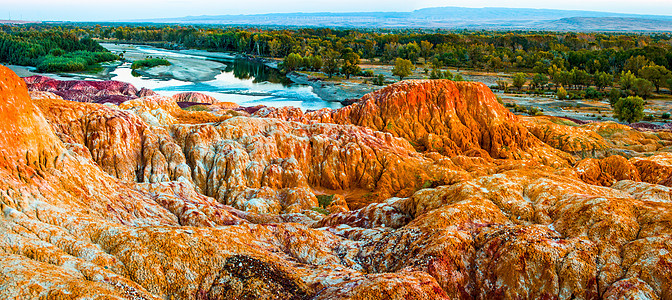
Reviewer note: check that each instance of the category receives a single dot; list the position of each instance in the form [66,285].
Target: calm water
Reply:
[245,82]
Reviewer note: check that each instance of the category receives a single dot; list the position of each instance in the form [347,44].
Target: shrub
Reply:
[630,109]
[592,93]
[320,210]
[379,80]
[561,94]
[324,200]
[57,52]
[614,96]
[73,61]
[367,73]
[666,115]
[149,63]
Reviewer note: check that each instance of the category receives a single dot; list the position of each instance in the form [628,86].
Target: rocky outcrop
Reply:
[632,142]
[462,227]
[118,141]
[567,136]
[194,97]
[606,171]
[84,91]
[451,118]
[654,169]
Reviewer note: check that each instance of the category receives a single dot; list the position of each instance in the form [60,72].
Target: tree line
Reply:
[51,49]
[574,61]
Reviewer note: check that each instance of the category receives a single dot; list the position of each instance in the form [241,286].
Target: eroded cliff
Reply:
[456,199]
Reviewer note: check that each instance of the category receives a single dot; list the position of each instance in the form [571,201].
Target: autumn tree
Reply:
[274,47]
[425,48]
[561,93]
[636,63]
[556,74]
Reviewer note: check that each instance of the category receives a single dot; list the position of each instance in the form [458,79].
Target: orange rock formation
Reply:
[439,193]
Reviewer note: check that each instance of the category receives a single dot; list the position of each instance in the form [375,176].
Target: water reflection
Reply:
[246,69]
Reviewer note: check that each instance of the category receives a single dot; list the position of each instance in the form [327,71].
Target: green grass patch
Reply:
[321,210]
[565,122]
[428,183]
[149,63]
[197,108]
[73,61]
[325,200]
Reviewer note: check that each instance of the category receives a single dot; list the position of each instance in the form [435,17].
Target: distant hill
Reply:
[16,22]
[496,18]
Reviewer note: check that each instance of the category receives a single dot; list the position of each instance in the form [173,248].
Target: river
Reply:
[220,75]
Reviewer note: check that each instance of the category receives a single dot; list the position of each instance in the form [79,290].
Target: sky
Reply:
[109,10]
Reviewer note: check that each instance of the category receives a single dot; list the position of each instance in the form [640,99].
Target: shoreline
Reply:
[327,91]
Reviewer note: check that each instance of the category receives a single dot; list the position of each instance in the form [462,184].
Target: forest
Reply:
[51,49]
[588,63]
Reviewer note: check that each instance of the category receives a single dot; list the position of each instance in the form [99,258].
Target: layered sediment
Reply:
[422,190]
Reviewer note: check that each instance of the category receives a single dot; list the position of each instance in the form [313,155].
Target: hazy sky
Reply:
[98,10]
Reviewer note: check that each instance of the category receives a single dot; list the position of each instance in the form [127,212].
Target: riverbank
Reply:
[184,66]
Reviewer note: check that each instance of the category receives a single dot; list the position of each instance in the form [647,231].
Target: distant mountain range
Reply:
[494,18]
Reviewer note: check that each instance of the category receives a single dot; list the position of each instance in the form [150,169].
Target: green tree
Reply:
[643,88]
[627,80]
[425,48]
[579,77]
[402,68]
[658,75]
[330,64]
[614,96]
[636,63]
[315,62]
[519,80]
[602,80]
[292,62]
[503,85]
[539,80]
[630,109]
[350,64]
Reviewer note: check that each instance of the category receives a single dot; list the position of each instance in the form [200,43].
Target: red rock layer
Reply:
[84,91]
[194,97]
